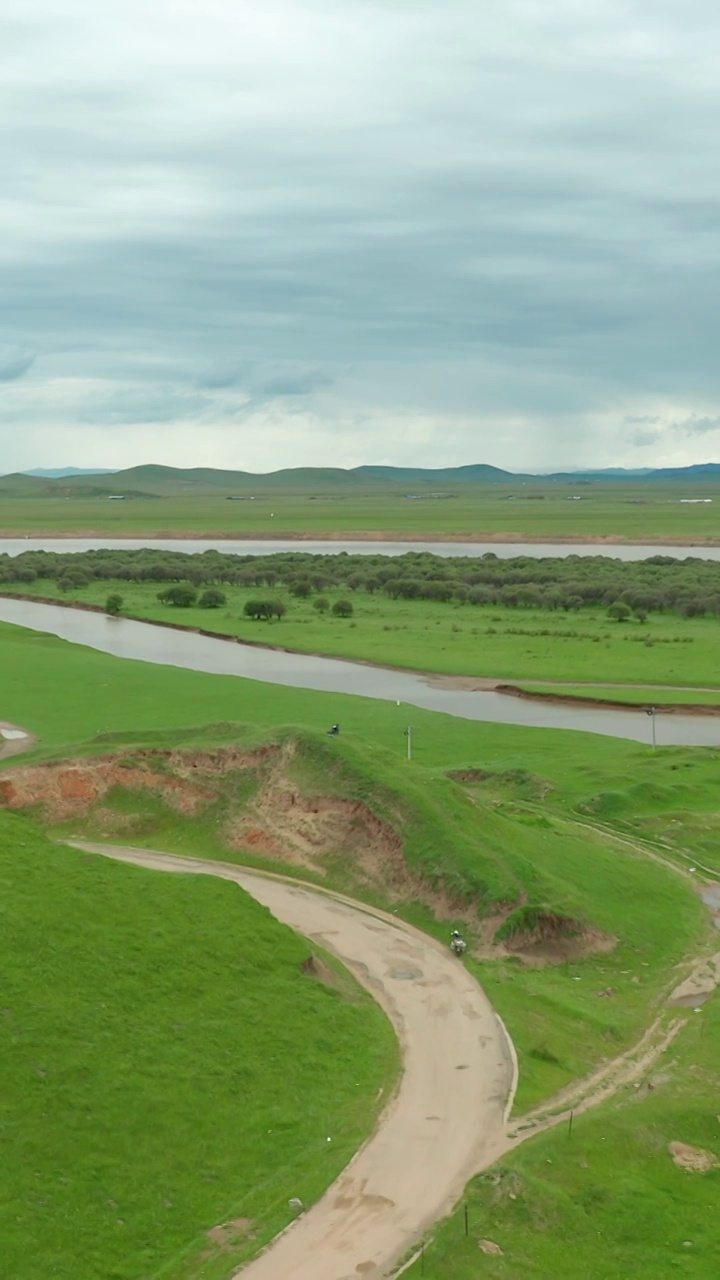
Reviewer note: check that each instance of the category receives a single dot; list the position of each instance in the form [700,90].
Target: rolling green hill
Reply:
[157,480]
[161,480]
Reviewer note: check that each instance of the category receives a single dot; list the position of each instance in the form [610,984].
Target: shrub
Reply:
[321,604]
[342,609]
[113,605]
[212,599]
[619,611]
[257,609]
[182,596]
[265,609]
[72,581]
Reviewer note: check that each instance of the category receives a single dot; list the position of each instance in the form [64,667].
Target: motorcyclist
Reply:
[457,942]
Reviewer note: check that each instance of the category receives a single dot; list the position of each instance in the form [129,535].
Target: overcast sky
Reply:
[424,232]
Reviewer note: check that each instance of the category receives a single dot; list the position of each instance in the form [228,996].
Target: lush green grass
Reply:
[560,1025]
[489,845]
[514,826]
[542,512]
[491,642]
[607,1202]
[165,1068]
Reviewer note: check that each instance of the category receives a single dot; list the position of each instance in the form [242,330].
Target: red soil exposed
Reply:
[274,822]
[278,822]
[67,790]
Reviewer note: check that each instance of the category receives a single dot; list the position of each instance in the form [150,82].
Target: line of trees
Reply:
[690,587]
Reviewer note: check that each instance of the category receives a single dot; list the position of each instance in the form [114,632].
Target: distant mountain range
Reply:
[57,473]
[162,481]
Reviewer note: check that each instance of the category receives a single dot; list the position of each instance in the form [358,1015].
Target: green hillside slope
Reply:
[164,1069]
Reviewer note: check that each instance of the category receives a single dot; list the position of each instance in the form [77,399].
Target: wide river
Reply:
[239,547]
[147,643]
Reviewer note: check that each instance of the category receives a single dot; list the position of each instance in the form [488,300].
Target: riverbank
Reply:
[502,538]
[653,699]
[434,679]
[282,671]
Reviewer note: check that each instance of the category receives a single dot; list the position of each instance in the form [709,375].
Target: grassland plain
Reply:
[148,1098]
[540,512]
[529,804]
[605,1201]
[510,835]
[505,644]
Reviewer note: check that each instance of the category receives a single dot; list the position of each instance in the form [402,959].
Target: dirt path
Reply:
[447,1119]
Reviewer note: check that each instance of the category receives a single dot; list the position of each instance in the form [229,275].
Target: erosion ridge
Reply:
[257,806]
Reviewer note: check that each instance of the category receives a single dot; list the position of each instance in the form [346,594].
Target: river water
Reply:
[504,550]
[147,643]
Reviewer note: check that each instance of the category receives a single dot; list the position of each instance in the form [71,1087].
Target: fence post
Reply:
[467,1222]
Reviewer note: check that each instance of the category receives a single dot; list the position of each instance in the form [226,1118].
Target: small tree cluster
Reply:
[265,610]
[212,599]
[181,596]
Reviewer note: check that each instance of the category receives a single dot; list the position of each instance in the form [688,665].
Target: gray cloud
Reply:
[265,382]
[14,363]
[447,231]
[697,426]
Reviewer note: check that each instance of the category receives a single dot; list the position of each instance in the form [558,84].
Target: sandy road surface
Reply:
[446,1120]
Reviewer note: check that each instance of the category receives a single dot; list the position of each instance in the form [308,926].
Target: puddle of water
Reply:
[711,897]
[692,1001]
[12,734]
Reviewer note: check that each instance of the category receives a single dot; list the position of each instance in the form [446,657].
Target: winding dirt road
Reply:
[447,1119]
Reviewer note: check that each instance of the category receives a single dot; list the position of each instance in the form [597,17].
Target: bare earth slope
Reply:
[447,1118]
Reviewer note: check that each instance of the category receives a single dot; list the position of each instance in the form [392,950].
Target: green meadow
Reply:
[540,512]
[165,1069]
[484,844]
[490,642]
[490,817]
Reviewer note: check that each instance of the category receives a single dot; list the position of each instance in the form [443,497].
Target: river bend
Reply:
[145,642]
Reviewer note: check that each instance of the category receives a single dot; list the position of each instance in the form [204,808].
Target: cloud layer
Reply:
[307,233]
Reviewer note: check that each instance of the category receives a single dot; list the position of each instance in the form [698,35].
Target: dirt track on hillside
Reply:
[447,1119]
